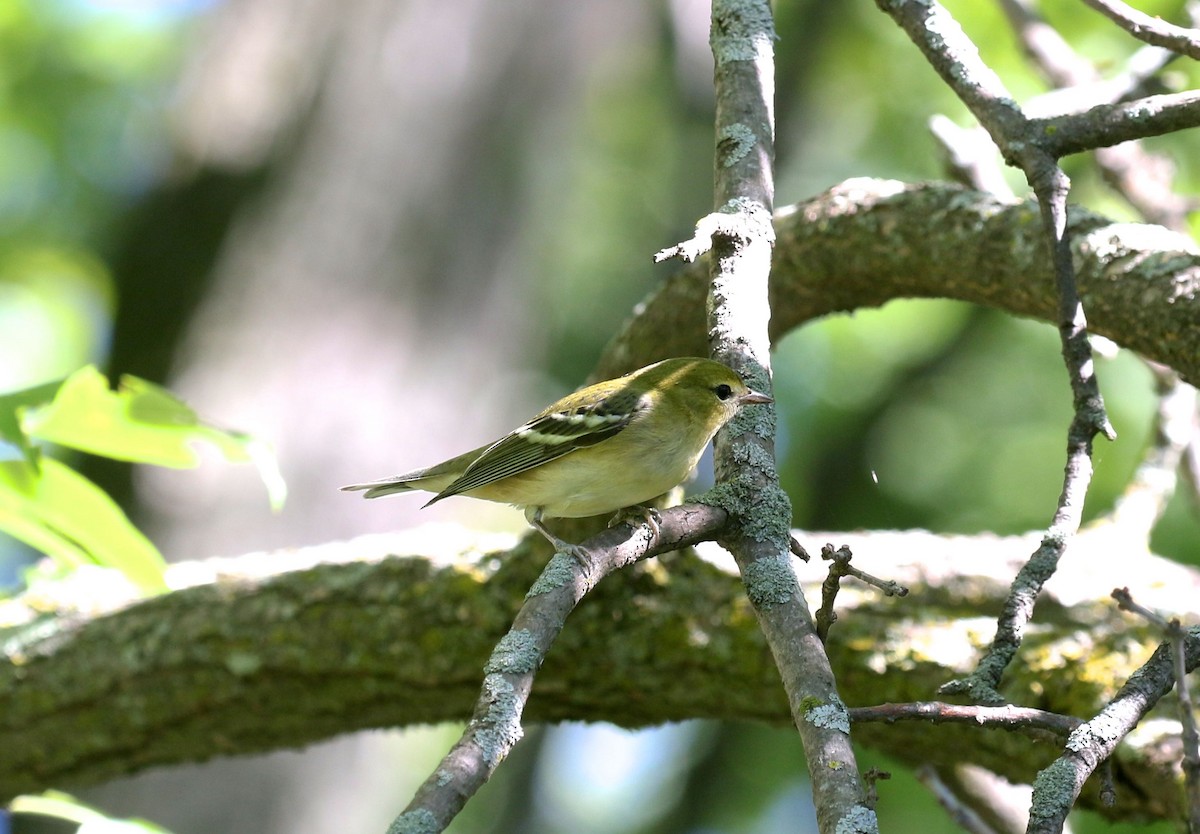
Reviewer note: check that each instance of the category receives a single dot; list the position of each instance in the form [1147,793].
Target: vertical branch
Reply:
[738,313]
[1027,146]
[1051,186]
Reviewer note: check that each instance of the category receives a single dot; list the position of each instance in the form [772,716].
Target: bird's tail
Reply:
[388,486]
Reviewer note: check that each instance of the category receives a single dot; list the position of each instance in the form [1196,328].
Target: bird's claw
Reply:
[649,515]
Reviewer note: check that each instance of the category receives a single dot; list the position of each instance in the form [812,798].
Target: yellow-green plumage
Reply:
[611,445]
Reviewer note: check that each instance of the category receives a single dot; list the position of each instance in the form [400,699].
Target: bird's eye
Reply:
[723,391]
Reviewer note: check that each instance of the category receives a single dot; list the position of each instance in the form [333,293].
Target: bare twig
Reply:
[798,550]
[839,559]
[1108,786]
[1126,602]
[842,556]
[495,726]
[1027,720]
[1149,29]
[871,777]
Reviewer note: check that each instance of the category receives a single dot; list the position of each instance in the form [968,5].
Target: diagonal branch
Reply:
[1057,787]
[1151,30]
[495,726]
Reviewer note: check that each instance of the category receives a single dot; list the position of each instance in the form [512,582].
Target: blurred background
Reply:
[376,233]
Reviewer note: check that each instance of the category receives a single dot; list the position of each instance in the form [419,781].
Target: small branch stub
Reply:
[839,559]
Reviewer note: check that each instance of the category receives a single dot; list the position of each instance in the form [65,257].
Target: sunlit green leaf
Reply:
[140,422]
[73,521]
[11,406]
[87,415]
[59,805]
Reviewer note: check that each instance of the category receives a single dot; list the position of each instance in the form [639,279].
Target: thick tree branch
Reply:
[866,242]
[251,654]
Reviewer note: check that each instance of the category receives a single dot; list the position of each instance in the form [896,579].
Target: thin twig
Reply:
[1126,602]
[839,567]
[842,556]
[1177,637]
[1108,784]
[871,778]
[1034,722]
[798,550]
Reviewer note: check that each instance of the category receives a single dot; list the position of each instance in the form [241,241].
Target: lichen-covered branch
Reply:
[866,242]
[738,313]
[1057,786]
[250,654]
[495,725]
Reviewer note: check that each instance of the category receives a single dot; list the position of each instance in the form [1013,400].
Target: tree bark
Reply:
[283,649]
[866,242]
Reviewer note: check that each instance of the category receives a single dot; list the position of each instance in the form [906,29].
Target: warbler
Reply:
[606,447]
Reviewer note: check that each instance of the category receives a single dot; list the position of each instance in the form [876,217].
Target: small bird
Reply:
[606,447]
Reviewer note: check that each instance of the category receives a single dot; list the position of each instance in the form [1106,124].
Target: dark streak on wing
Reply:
[515,453]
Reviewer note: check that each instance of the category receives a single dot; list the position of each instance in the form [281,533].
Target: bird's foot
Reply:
[576,551]
[649,515]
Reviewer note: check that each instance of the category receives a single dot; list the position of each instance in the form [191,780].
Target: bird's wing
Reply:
[547,437]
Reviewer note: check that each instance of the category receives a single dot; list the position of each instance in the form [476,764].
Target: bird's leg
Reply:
[651,516]
[534,516]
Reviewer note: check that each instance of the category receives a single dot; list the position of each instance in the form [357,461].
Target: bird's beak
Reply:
[754,397]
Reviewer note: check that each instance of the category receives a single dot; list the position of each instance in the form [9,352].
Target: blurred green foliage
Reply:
[928,414]
[82,134]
